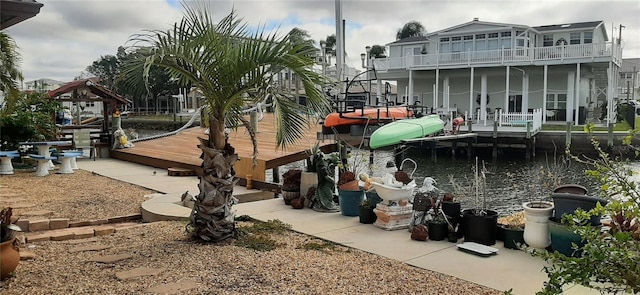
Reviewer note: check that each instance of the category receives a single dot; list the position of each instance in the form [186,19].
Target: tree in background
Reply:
[9,72]
[411,29]
[231,67]
[377,51]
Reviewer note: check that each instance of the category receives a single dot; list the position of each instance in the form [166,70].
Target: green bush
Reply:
[32,119]
[610,260]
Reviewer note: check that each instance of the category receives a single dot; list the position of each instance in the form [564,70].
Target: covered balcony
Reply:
[549,55]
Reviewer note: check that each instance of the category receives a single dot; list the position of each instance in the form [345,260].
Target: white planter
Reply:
[308,180]
[536,226]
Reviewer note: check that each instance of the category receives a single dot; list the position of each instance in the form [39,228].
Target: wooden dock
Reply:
[181,150]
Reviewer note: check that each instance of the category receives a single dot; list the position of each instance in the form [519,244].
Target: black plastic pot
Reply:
[451,209]
[512,238]
[481,229]
[437,231]
[565,203]
[366,215]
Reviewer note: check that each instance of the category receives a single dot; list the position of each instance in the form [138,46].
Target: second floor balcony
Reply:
[565,54]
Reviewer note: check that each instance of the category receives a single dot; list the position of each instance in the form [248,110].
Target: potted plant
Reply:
[291,185]
[438,226]
[367,216]
[9,251]
[479,224]
[309,178]
[540,182]
[512,228]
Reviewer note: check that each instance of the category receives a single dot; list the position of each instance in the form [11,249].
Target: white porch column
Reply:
[435,98]
[471,112]
[609,91]
[445,94]
[577,94]
[570,93]
[506,92]
[435,105]
[483,99]
[410,94]
[525,93]
[544,94]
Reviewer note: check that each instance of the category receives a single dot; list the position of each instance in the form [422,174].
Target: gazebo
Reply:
[88,90]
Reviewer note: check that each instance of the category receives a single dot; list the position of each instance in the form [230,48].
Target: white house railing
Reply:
[500,56]
[521,119]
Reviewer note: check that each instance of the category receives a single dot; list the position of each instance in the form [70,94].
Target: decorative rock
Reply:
[123,218]
[23,224]
[111,258]
[104,230]
[98,222]
[58,223]
[139,272]
[83,233]
[173,288]
[27,255]
[80,241]
[78,223]
[38,225]
[420,233]
[37,238]
[89,248]
[62,236]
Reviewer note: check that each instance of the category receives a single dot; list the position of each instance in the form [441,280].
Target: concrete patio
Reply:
[509,269]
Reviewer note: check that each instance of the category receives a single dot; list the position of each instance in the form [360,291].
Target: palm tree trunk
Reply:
[211,218]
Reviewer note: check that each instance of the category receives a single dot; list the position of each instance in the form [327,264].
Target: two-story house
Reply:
[565,73]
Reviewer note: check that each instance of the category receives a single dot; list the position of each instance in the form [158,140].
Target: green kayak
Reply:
[397,131]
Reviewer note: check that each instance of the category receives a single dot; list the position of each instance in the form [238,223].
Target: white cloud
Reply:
[68,35]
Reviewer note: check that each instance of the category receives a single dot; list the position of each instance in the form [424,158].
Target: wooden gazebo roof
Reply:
[80,88]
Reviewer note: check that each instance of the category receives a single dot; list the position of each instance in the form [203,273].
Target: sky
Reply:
[68,35]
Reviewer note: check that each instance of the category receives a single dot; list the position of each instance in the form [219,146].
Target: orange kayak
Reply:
[373,115]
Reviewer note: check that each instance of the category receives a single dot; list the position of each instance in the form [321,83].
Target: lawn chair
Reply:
[82,141]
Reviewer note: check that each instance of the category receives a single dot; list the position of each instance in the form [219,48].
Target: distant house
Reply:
[563,73]
[629,83]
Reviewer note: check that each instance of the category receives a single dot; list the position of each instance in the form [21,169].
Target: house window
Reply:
[574,38]
[588,37]
[505,34]
[556,101]
[493,41]
[561,42]
[456,44]
[468,37]
[518,33]
[480,36]
[444,39]
[547,40]
[89,104]
[445,47]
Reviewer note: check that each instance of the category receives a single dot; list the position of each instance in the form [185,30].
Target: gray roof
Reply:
[568,26]
[629,63]
[410,39]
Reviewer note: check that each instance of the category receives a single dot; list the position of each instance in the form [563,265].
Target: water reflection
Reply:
[506,173]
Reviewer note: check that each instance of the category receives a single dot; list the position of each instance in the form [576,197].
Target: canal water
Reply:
[509,178]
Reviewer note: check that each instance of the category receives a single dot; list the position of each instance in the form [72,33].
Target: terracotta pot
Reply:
[9,256]
[350,186]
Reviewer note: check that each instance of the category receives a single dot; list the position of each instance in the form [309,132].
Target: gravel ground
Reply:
[78,196]
[224,268]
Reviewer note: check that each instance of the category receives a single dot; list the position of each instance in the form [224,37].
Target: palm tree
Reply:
[9,71]
[231,67]
[411,29]
[377,51]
